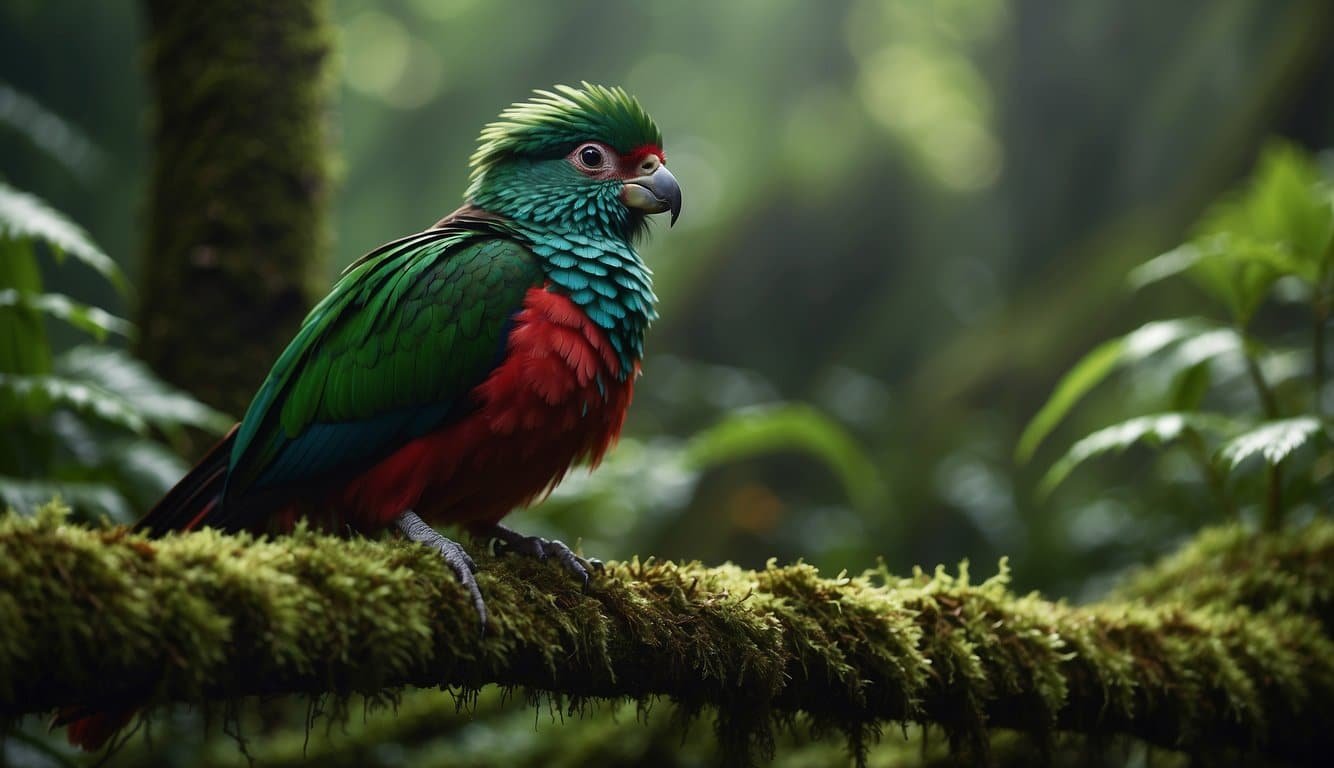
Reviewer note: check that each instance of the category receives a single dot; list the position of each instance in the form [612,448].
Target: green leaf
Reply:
[25,217]
[144,470]
[26,495]
[1240,271]
[49,132]
[1287,201]
[140,469]
[93,320]
[156,401]
[1157,430]
[1285,365]
[1235,269]
[1208,345]
[24,347]
[1164,265]
[1096,366]
[1189,387]
[36,395]
[785,427]
[1274,441]
[1280,224]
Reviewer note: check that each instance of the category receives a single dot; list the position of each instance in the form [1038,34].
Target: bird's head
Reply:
[585,159]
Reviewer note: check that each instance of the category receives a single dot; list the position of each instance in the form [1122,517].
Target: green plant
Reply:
[85,424]
[665,474]
[1271,242]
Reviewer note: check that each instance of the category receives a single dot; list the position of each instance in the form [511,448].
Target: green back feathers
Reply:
[387,356]
[554,122]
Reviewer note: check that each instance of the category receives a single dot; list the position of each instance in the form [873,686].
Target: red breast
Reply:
[556,398]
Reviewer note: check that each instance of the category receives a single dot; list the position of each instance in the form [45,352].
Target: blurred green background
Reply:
[904,220]
[910,216]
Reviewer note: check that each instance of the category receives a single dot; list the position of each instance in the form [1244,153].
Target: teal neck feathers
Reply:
[575,224]
[584,244]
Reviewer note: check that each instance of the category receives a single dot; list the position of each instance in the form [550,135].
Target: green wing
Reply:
[389,355]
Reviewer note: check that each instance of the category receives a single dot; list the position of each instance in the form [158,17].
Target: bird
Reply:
[456,374]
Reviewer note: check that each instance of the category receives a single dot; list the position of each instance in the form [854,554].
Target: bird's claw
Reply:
[463,566]
[528,546]
[542,549]
[453,553]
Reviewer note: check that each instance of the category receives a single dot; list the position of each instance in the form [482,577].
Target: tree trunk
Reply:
[236,241]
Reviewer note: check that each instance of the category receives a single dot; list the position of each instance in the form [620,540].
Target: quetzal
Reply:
[457,373]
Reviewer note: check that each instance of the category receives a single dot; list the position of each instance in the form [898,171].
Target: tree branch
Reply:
[106,618]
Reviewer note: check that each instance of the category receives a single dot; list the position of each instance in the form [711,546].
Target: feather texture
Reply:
[542,409]
[390,355]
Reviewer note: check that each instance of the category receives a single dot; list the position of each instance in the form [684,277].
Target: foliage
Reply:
[1131,349]
[234,617]
[25,219]
[1278,229]
[55,136]
[1156,429]
[666,474]
[82,424]
[789,426]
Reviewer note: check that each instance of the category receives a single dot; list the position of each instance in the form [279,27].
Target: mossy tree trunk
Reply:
[236,234]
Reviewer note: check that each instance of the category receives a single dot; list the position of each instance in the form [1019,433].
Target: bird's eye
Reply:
[591,157]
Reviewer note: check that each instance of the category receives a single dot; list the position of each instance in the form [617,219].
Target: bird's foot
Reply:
[463,566]
[540,548]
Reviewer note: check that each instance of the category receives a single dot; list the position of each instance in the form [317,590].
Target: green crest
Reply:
[554,122]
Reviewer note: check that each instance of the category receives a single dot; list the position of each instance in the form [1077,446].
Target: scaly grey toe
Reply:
[455,556]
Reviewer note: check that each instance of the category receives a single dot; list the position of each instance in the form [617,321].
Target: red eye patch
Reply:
[635,156]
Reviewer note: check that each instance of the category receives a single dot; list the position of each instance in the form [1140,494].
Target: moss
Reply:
[236,236]
[1285,572]
[103,617]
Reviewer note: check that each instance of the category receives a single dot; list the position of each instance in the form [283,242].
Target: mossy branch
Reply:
[106,618]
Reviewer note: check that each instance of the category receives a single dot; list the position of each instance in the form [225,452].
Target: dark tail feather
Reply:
[196,497]
[185,507]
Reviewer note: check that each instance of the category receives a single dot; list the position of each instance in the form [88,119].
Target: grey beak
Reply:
[655,193]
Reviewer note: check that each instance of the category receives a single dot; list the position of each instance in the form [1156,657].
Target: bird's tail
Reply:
[187,506]
[89,731]
[196,498]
